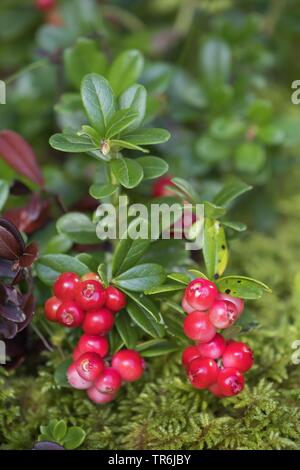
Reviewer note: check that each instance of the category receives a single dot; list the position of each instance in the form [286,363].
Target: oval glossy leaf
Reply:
[101,191]
[49,267]
[145,321]
[154,348]
[98,100]
[147,136]
[243,287]
[146,304]
[215,249]
[83,58]
[141,277]
[153,167]
[125,70]
[165,288]
[74,438]
[135,98]
[119,122]
[72,143]
[231,190]
[128,172]
[125,329]
[78,227]
[59,431]
[19,155]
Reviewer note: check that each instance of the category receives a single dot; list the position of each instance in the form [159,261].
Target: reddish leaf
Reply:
[30,217]
[20,156]
[29,256]
[11,243]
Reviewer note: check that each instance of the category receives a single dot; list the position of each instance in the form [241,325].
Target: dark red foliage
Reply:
[30,217]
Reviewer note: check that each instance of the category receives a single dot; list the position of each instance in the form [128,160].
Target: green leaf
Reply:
[141,277]
[243,287]
[165,288]
[128,172]
[185,188]
[72,143]
[101,191]
[115,341]
[215,249]
[74,438]
[179,277]
[153,167]
[146,304]
[125,330]
[83,58]
[102,271]
[156,347]
[49,267]
[231,190]
[145,321]
[238,226]
[4,192]
[215,60]
[197,273]
[148,136]
[250,157]
[60,431]
[213,211]
[125,70]
[98,100]
[78,227]
[60,374]
[91,260]
[126,145]
[119,122]
[135,98]
[127,253]
[58,244]
[91,132]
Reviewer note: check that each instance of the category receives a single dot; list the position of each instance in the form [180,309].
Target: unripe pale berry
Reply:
[214,348]
[239,303]
[64,287]
[75,380]
[239,356]
[186,306]
[98,322]
[98,397]
[51,307]
[201,294]
[198,327]
[223,314]
[202,372]
[69,314]
[115,299]
[93,343]
[230,381]
[90,295]
[129,364]
[89,365]
[189,354]
[109,381]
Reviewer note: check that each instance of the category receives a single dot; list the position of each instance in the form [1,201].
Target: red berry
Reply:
[69,314]
[202,372]
[214,348]
[238,355]
[90,277]
[98,397]
[129,364]
[160,189]
[75,380]
[198,327]
[89,365]
[90,295]
[215,390]
[223,314]
[230,381]
[189,354]
[239,303]
[45,5]
[115,299]
[186,306]
[51,307]
[64,287]
[109,381]
[93,343]
[98,322]
[201,294]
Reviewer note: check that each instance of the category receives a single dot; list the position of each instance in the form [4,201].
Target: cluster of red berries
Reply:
[213,363]
[84,302]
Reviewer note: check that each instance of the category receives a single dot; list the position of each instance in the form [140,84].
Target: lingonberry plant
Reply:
[127,299]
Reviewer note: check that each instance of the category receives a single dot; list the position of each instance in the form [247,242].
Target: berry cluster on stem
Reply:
[213,362]
[84,302]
